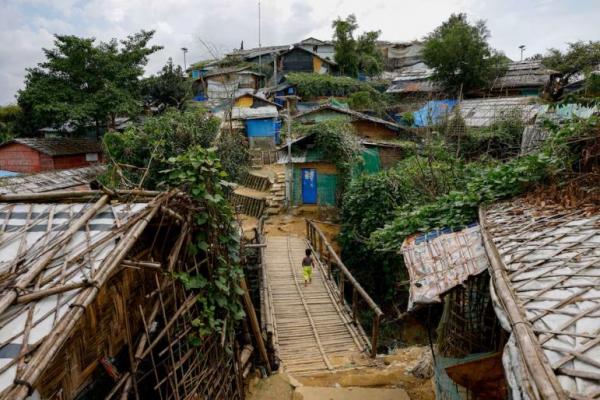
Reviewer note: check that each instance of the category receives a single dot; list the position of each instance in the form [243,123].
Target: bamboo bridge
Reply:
[315,328]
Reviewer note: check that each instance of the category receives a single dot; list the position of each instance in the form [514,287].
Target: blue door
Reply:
[309,186]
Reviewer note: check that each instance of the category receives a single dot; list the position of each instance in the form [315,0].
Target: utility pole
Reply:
[259,43]
[274,69]
[185,50]
[522,47]
[290,174]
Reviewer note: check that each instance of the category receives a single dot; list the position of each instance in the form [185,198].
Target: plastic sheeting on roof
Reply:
[484,112]
[250,113]
[29,230]
[51,180]
[564,112]
[548,273]
[434,112]
[438,261]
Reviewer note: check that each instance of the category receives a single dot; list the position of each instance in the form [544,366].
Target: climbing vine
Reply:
[215,237]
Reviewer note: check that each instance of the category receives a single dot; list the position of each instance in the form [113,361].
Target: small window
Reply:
[91,157]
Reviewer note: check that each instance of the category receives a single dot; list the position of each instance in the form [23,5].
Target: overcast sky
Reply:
[28,25]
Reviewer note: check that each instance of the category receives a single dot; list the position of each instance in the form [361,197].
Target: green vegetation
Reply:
[461,56]
[9,117]
[141,152]
[356,55]
[199,171]
[337,140]
[169,88]
[372,200]
[315,85]
[579,58]
[85,83]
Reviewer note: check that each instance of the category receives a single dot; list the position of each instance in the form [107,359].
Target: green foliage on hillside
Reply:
[372,200]
[141,152]
[317,85]
[461,56]
[200,173]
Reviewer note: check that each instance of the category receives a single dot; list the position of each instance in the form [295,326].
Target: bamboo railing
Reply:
[329,258]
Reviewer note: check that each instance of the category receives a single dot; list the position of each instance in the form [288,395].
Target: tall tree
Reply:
[579,58]
[461,56]
[352,55]
[169,88]
[83,82]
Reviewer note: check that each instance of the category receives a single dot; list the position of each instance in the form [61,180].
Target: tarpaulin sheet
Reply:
[435,111]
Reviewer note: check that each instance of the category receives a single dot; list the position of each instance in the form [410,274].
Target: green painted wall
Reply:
[326,187]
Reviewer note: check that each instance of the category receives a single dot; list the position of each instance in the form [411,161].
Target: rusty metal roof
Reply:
[60,146]
[50,180]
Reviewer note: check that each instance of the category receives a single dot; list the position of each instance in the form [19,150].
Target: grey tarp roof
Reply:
[483,112]
[546,287]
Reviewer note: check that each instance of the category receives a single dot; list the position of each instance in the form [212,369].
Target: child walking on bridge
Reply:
[307,267]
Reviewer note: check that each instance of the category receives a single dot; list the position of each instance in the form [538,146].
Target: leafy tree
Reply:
[169,88]
[9,116]
[580,58]
[84,82]
[460,55]
[352,55]
[141,152]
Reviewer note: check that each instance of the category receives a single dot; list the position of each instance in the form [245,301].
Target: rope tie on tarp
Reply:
[30,388]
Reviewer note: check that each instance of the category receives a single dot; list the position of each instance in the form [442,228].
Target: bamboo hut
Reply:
[89,305]
[545,267]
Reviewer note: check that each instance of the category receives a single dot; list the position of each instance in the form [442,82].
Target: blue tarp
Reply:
[433,112]
[263,127]
[7,174]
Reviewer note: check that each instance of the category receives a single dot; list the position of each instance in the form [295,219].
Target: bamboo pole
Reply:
[45,259]
[61,332]
[254,324]
[537,366]
[26,298]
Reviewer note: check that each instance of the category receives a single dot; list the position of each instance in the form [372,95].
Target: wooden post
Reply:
[328,264]
[254,324]
[354,304]
[375,335]
[342,289]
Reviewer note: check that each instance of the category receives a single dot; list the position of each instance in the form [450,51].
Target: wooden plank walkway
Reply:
[313,332]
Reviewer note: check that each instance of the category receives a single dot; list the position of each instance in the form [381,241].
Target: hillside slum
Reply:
[455,239]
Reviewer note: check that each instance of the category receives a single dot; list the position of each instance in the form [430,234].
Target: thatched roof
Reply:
[54,259]
[51,180]
[546,282]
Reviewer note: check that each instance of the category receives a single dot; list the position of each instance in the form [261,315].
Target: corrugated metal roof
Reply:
[51,180]
[60,146]
[546,285]
[441,260]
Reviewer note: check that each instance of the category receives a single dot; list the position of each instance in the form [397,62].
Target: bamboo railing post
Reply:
[375,334]
[341,289]
[329,264]
[254,324]
[354,304]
